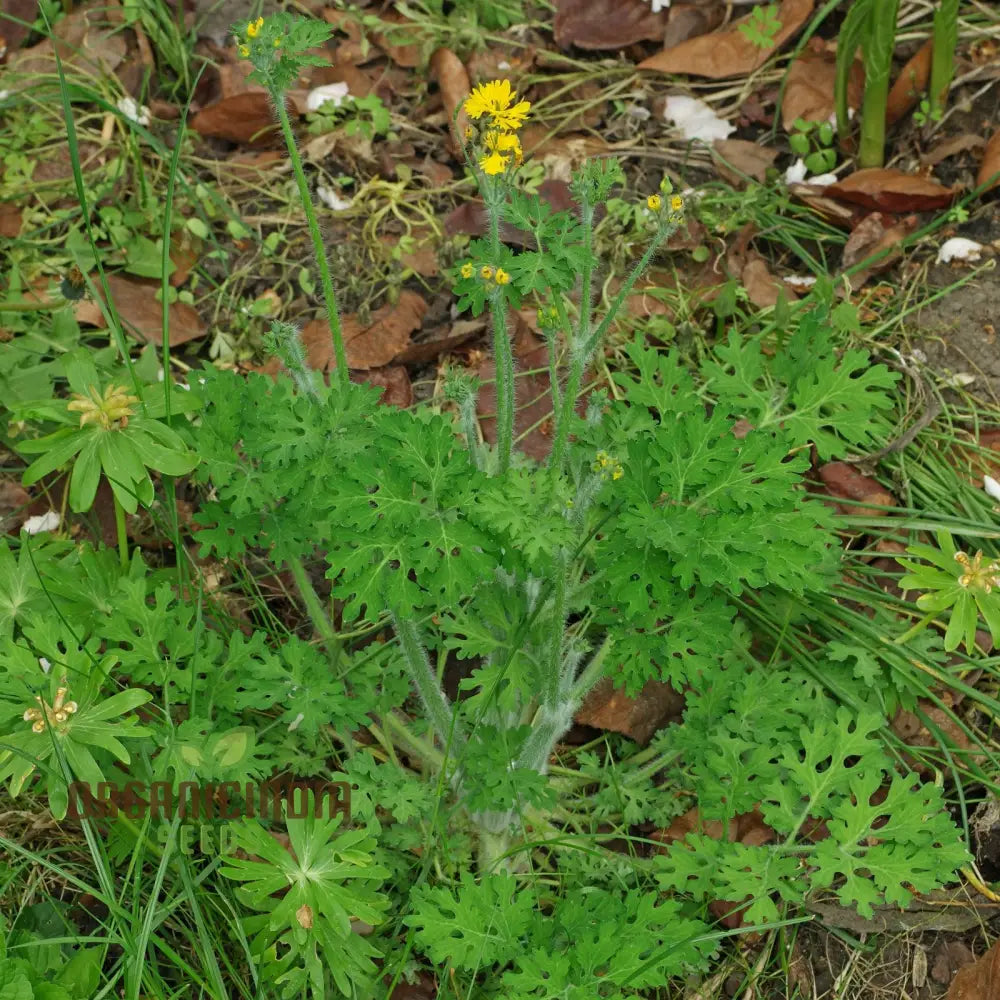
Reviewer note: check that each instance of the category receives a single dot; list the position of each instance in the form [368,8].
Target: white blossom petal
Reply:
[335,92]
[695,119]
[331,199]
[992,487]
[42,522]
[134,112]
[959,248]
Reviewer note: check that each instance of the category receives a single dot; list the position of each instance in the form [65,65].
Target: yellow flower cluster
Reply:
[253,30]
[487,273]
[654,203]
[505,116]
[114,406]
[56,713]
[607,466]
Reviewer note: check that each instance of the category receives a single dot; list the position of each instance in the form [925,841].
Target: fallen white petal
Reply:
[992,487]
[137,113]
[796,173]
[335,92]
[42,522]
[959,248]
[958,381]
[800,280]
[695,119]
[331,199]
[44,664]
[294,724]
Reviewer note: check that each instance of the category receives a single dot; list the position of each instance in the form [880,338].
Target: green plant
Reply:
[111,437]
[813,142]
[950,581]
[943,55]
[870,24]
[762,26]
[364,116]
[627,554]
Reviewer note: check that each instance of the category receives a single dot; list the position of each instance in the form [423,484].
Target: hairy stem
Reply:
[317,613]
[332,313]
[436,705]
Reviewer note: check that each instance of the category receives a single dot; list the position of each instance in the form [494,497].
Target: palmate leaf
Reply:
[330,879]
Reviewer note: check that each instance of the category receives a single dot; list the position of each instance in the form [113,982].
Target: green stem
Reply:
[504,380]
[122,532]
[552,678]
[317,613]
[332,313]
[503,356]
[436,705]
[943,55]
[878,48]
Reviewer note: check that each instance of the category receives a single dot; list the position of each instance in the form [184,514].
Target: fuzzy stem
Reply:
[122,531]
[943,55]
[435,703]
[317,613]
[503,357]
[504,362]
[662,233]
[332,313]
[560,570]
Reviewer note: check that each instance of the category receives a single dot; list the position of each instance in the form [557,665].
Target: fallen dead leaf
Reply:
[889,190]
[402,53]
[687,20]
[14,503]
[609,708]
[606,24]
[910,84]
[989,168]
[395,380]
[915,732]
[728,52]
[370,346]
[873,234]
[737,159]
[951,147]
[246,118]
[980,981]
[10,220]
[809,91]
[460,333]
[843,481]
[142,315]
[453,80]
[762,287]
[88,40]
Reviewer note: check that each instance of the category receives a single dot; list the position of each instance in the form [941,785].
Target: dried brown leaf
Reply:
[606,24]
[729,52]
[609,708]
[89,40]
[736,157]
[951,147]
[246,117]
[453,80]
[888,190]
[989,168]
[810,85]
[142,315]
[980,981]
[910,84]
[843,481]
[396,382]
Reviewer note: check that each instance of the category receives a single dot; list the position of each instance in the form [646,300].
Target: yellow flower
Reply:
[253,28]
[244,51]
[653,202]
[486,271]
[976,575]
[496,99]
[500,146]
[277,43]
[503,277]
[493,164]
[467,270]
[114,405]
[676,203]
